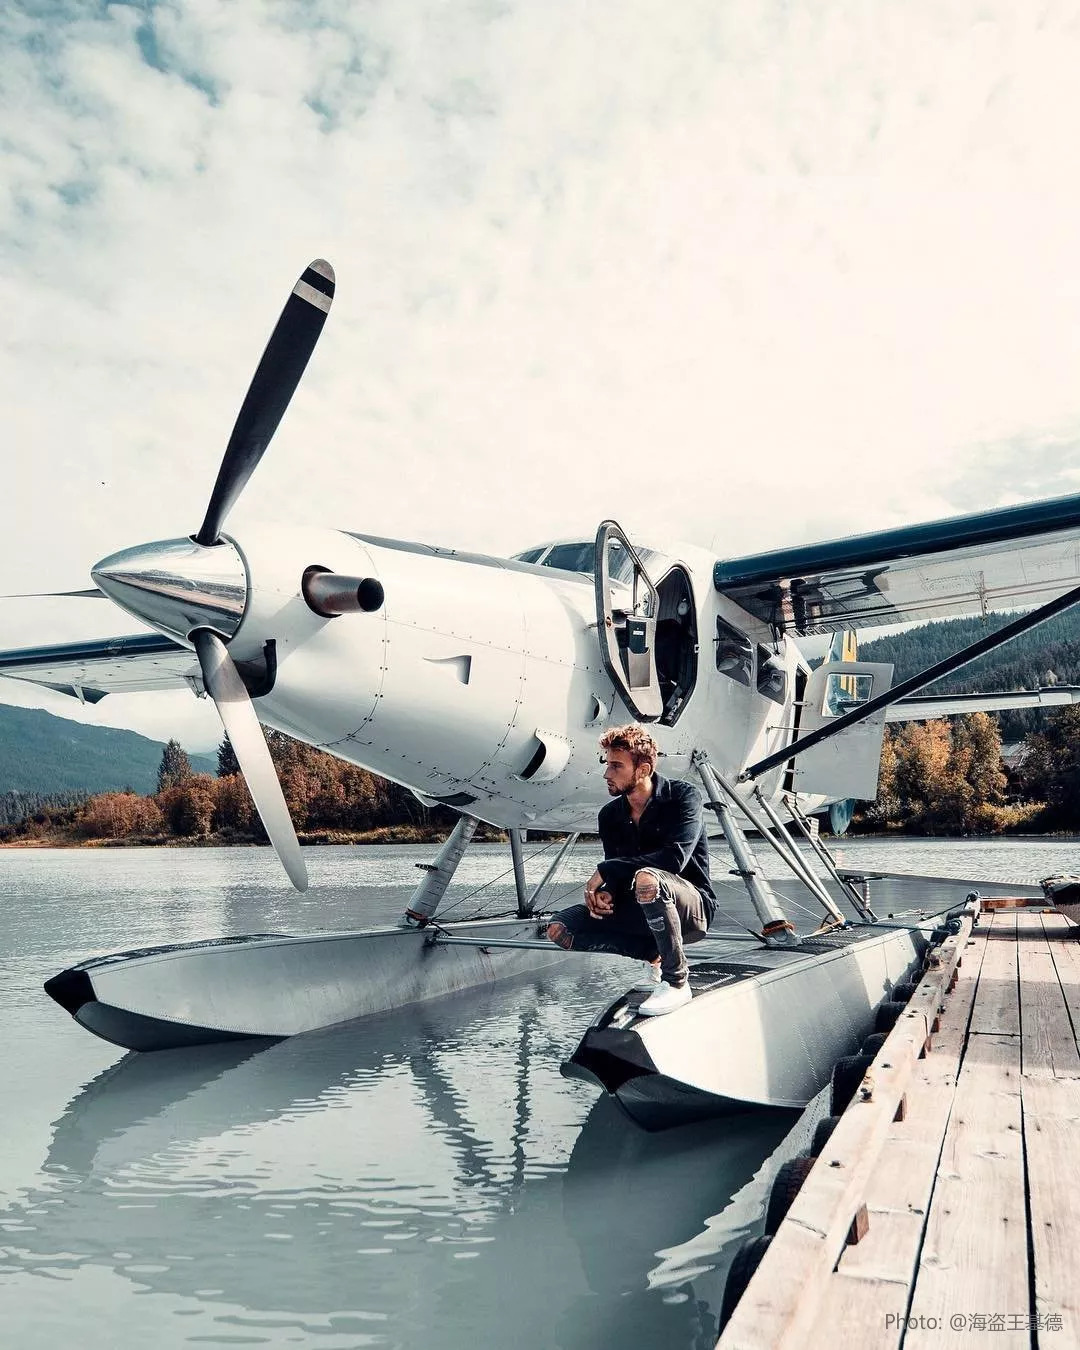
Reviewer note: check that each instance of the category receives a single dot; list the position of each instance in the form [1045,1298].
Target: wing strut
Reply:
[916,682]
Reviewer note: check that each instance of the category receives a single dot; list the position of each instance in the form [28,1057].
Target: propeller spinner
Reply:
[196,588]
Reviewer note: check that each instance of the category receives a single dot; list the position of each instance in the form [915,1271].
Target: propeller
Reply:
[93,594]
[237,713]
[272,386]
[196,589]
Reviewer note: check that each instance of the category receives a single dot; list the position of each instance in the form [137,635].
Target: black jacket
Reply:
[670,836]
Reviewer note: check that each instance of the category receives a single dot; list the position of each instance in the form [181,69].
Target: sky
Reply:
[746,274]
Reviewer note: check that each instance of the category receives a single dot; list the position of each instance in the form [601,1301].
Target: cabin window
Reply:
[530,555]
[771,676]
[734,653]
[844,692]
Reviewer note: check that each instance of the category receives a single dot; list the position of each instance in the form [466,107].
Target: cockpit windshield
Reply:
[570,557]
[580,556]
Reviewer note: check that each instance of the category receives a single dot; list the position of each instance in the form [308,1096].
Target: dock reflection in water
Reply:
[420,1178]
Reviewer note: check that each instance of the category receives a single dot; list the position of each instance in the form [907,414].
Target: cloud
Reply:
[746,274]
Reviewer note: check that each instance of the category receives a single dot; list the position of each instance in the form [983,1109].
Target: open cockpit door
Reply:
[845,765]
[627,605]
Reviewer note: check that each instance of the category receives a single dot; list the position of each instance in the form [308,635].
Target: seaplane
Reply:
[483,683]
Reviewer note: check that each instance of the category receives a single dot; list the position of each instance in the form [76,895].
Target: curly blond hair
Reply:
[635,741]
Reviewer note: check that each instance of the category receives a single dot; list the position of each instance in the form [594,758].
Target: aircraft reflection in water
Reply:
[383,1183]
[638,1207]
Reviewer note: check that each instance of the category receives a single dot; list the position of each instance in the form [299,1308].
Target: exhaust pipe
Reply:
[330,594]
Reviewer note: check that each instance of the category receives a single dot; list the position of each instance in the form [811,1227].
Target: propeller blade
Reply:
[272,386]
[92,594]
[237,712]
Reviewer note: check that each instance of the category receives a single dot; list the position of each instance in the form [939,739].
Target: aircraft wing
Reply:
[90,670]
[1016,557]
[923,707]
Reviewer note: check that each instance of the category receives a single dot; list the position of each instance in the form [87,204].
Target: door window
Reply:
[844,692]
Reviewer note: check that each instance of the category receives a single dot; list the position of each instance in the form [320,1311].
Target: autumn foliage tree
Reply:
[188,807]
[119,815]
[945,777]
[234,811]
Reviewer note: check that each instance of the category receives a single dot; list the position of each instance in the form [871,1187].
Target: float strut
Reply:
[777,930]
[517,854]
[798,864]
[437,875]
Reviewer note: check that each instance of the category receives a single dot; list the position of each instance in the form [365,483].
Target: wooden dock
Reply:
[957,1166]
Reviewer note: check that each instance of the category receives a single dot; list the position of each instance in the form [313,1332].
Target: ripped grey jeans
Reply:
[641,927]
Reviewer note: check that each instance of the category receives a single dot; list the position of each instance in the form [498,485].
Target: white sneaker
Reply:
[666,999]
[650,975]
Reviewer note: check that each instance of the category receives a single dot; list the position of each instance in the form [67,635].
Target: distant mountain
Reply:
[1047,654]
[44,754]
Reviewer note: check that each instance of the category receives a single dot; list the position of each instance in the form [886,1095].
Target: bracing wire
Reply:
[737,886]
[491,881]
[718,863]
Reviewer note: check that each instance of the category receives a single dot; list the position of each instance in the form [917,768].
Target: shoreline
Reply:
[487,834]
[386,834]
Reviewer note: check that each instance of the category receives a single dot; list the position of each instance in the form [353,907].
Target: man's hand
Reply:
[598,901]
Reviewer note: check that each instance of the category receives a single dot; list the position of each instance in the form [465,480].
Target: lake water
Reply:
[425,1178]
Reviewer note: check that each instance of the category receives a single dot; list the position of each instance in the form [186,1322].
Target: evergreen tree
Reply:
[18,806]
[1051,770]
[227,763]
[175,766]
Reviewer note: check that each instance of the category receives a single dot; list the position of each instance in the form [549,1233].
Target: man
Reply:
[652,892]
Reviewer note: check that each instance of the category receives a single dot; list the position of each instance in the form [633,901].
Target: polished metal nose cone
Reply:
[177,585]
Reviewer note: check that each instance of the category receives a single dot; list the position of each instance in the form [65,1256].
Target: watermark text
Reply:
[976,1321]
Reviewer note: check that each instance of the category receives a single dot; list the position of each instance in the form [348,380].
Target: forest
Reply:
[938,777]
[329,800]
[1048,654]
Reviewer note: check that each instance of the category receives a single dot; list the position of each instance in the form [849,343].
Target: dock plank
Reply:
[1051,1110]
[1048,1046]
[910,1153]
[1063,943]
[1055,923]
[873,1277]
[997,1002]
[974,1259]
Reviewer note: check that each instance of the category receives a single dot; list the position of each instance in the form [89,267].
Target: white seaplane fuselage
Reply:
[479,683]
[474,668]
